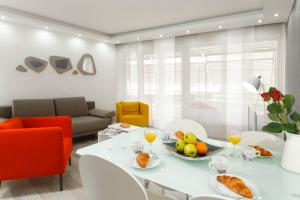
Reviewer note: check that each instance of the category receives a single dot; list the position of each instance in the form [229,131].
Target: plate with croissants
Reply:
[261,152]
[145,161]
[235,187]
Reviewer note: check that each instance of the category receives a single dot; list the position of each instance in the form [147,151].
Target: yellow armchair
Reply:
[134,113]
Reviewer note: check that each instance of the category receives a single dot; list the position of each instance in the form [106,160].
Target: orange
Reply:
[179,135]
[201,148]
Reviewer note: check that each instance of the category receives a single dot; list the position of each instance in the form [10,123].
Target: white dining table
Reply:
[194,177]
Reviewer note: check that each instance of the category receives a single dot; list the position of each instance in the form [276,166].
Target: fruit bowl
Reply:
[211,151]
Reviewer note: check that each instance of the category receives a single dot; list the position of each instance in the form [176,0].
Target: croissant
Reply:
[262,151]
[143,159]
[236,185]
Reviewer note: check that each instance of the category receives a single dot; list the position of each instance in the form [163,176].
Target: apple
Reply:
[190,150]
[190,138]
[180,144]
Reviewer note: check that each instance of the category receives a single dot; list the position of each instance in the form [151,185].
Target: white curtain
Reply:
[200,76]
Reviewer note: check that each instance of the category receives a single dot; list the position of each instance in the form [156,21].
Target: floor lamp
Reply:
[253,85]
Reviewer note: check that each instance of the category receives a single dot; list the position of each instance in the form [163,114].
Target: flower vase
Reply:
[291,153]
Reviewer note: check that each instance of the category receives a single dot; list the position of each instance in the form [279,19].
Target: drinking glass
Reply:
[150,136]
[165,135]
[219,163]
[137,147]
[235,138]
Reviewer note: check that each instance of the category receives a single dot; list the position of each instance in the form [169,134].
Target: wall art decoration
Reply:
[86,65]
[21,68]
[61,64]
[35,64]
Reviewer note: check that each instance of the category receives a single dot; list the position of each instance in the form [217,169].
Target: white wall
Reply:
[19,41]
[293,55]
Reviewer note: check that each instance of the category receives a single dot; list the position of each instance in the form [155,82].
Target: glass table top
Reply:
[194,177]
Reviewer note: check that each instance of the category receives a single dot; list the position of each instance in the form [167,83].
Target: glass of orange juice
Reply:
[235,138]
[150,136]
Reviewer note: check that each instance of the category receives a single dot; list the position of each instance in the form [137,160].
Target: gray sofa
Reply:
[86,119]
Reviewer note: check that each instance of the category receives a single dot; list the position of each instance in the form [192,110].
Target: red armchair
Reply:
[32,147]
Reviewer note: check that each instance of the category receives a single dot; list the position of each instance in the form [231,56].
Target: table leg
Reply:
[147,184]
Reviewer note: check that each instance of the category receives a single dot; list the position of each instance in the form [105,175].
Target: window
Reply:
[211,67]
[132,75]
[150,74]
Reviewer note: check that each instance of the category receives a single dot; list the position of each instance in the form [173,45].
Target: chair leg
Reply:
[147,184]
[70,161]
[61,184]
[187,197]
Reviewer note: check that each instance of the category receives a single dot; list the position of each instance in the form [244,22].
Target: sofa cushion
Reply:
[33,108]
[71,106]
[14,123]
[89,123]
[131,108]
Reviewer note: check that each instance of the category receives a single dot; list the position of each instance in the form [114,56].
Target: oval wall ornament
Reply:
[61,64]
[86,65]
[35,64]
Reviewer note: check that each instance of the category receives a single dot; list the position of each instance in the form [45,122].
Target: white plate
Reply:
[154,162]
[222,189]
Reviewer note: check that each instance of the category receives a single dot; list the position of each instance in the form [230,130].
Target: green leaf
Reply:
[273,127]
[274,108]
[298,125]
[273,117]
[295,116]
[291,128]
[288,110]
[288,100]
[284,118]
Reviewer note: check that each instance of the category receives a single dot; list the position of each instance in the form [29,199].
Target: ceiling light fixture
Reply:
[138,39]
[188,31]
[276,15]
[220,26]
[2,17]
[47,27]
[160,35]
[118,41]
[259,21]
[79,35]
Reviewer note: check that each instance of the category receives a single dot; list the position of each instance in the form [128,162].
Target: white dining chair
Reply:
[263,139]
[103,180]
[206,198]
[187,125]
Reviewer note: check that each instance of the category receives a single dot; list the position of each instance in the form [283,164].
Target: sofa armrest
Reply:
[31,152]
[102,113]
[63,122]
[144,108]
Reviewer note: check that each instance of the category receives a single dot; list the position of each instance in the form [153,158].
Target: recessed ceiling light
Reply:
[79,35]
[160,35]
[47,27]
[259,21]
[2,17]
[276,15]
[188,31]
[118,41]
[137,38]
[220,26]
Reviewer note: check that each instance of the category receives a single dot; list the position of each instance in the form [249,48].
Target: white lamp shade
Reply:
[252,85]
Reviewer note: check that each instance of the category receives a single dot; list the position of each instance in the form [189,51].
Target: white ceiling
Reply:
[125,20]
[117,16]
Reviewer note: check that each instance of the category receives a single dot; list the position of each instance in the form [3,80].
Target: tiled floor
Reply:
[45,188]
